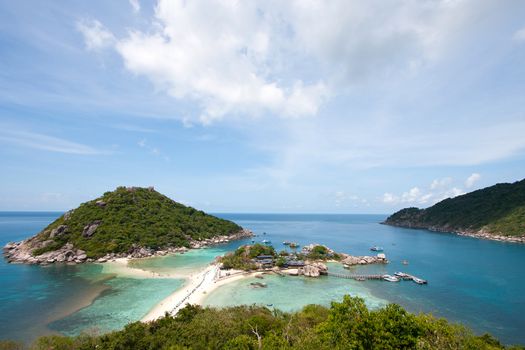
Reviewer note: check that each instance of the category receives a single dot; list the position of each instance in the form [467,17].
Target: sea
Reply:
[478,283]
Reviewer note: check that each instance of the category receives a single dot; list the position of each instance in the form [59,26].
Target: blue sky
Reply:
[335,106]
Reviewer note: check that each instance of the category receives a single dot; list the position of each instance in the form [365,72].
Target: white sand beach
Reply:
[121,267]
[196,288]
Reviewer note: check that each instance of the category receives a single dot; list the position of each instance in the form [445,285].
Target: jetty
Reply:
[359,277]
[355,276]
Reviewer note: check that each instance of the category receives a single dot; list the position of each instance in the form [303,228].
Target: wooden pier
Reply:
[356,277]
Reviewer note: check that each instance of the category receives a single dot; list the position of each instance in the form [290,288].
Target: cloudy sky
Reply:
[336,106]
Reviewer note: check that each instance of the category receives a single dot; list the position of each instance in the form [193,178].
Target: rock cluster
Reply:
[314,269]
[486,235]
[140,252]
[59,231]
[350,260]
[244,233]
[18,252]
[308,248]
[89,230]
[22,252]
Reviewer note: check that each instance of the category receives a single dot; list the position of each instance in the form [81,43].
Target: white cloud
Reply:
[519,35]
[96,36]
[411,196]
[249,58]
[472,179]
[242,59]
[438,190]
[221,60]
[45,142]
[135,5]
[440,183]
[390,198]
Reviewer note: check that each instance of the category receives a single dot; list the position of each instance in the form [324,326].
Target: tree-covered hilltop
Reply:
[495,210]
[124,220]
[345,325]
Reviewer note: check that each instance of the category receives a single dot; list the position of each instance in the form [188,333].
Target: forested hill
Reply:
[122,221]
[495,210]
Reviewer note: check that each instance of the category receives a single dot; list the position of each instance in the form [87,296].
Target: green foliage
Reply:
[232,261]
[242,258]
[345,325]
[280,262]
[318,252]
[260,249]
[10,345]
[134,217]
[500,209]
[284,253]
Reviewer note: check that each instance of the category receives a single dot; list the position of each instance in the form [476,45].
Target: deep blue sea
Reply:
[476,282]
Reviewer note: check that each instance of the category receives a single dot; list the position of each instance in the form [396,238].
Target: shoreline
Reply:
[22,252]
[477,234]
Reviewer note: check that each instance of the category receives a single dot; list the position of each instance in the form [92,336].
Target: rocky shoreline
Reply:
[21,252]
[481,234]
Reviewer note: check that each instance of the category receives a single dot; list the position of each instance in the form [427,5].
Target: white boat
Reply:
[265,241]
[390,278]
[376,249]
[401,274]
[419,280]
[286,243]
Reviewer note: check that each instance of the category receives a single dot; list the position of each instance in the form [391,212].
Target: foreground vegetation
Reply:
[345,325]
[499,209]
[133,217]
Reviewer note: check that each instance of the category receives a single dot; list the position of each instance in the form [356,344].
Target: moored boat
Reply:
[376,249]
[419,280]
[401,274]
[286,243]
[390,278]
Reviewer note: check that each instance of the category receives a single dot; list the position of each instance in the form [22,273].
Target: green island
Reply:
[348,324]
[127,222]
[495,212]
[257,256]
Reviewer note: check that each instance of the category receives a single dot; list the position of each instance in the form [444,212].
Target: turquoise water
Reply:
[290,293]
[475,282]
[127,300]
[41,300]
[187,263]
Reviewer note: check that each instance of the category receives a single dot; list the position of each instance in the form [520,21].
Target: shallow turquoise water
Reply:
[187,263]
[291,293]
[475,282]
[127,300]
[33,297]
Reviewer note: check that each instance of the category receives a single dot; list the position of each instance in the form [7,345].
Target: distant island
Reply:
[130,222]
[496,212]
